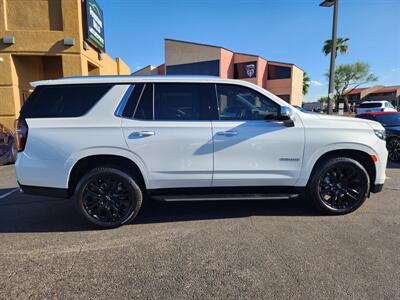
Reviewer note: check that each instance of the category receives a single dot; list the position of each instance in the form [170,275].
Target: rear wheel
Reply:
[339,185]
[393,146]
[108,197]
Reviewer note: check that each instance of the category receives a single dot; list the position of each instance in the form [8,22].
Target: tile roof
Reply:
[387,89]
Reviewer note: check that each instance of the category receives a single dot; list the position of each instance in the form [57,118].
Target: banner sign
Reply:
[94,26]
[245,70]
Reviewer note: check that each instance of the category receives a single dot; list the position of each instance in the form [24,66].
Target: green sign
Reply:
[94,26]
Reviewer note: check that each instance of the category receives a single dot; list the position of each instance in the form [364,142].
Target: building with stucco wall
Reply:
[186,58]
[47,39]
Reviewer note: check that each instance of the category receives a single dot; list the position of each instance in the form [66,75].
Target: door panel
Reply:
[171,132]
[256,153]
[251,146]
[170,151]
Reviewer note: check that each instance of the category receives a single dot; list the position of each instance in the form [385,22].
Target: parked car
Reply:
[114,142]
[302,109]
[375,106]
[391,122]
[8,149]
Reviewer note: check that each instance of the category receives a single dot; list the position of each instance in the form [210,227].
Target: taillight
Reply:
[21,129]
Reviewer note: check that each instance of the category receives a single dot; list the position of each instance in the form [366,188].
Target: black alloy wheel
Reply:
[393,147]
[340,185]
[108,197]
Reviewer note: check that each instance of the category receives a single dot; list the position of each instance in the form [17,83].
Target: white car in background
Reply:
[375,106]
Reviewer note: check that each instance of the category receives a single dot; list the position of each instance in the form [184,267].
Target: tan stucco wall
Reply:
[149,70]
[226,64]
[296,97]
[39,27]
[261,72]
[177,53]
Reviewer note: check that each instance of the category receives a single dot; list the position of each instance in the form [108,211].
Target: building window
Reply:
[245,70]
[388,94]
[354,97]
[210,67]
[285,97]
[279,72]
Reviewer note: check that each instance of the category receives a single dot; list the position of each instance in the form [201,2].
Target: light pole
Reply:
[329,3]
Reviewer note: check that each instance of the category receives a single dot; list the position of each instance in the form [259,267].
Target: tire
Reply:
[393,147]
[108,197]
[14,153]
[339,186]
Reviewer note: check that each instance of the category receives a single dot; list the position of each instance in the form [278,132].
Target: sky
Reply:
[281,30]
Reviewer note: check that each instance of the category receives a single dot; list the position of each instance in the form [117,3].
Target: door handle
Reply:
[227,133]
[142,133]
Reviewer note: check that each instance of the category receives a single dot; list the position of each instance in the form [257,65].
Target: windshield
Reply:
[389,119]
[370,105]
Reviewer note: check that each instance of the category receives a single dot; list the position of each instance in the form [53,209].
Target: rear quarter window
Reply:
[63,101]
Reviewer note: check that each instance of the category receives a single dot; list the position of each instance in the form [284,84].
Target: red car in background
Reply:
[8,148]
[391,122]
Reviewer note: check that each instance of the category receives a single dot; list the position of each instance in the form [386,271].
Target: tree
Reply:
[350,76]
[323,100]
[306,83]
[341,46]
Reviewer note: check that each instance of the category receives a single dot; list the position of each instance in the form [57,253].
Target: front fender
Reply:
[308,164]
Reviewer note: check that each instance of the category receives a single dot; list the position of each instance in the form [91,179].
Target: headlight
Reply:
[380,134]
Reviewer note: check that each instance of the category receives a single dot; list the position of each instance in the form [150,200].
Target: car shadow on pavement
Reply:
[160,212]
[23,213]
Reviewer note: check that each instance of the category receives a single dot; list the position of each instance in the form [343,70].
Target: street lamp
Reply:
[335,4]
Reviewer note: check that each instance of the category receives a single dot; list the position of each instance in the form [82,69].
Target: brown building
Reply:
[186,58]
[375,93]
[46,39]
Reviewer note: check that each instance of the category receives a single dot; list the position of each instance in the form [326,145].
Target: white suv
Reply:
[375,106]
[113,142]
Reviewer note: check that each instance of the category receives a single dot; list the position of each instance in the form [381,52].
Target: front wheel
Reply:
[393,146]
[108,197]
[339,185]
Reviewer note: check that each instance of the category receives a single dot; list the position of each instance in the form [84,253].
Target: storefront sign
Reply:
[245,70]
[94,26]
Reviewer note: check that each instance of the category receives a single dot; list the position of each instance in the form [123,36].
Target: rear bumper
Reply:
[44,191]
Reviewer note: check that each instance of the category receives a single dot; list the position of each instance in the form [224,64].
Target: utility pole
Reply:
[335,4]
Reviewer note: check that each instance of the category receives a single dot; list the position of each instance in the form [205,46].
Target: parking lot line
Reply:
[8,193]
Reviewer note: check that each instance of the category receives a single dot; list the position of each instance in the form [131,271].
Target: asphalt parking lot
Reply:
[254,249]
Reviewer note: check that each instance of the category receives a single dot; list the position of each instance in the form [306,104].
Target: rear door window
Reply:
[133,100]
[370,105]
[63,101]
[144,110]
[184,101]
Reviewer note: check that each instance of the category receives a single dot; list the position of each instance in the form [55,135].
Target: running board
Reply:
[217,197]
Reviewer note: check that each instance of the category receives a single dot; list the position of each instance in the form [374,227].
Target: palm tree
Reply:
[341,46]
[306,83]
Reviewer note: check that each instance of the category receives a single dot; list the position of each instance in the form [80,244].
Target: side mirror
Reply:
[287,116]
